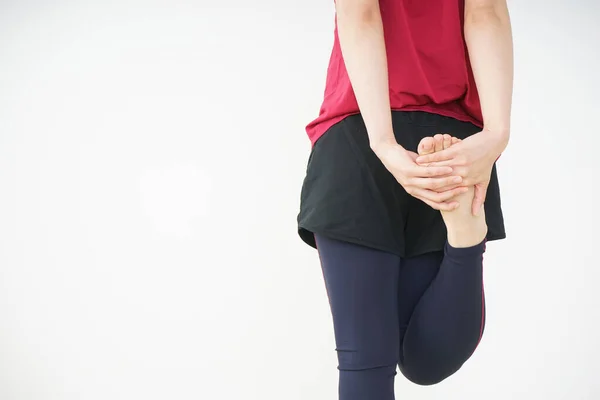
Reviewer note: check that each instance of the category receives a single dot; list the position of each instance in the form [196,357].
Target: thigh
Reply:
[362,286]
[416,275]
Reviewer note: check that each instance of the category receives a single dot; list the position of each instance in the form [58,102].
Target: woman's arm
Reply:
[489,41]
[360,31]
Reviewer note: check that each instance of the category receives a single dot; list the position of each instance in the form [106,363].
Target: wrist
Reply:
[499,136]
[382,141]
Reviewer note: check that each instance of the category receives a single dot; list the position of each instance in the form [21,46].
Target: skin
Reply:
[489,40]
[437,178]
[464,229]
[360,31]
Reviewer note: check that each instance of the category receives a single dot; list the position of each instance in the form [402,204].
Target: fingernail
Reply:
[458,179]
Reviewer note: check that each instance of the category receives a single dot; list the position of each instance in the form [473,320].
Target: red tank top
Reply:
[428,65]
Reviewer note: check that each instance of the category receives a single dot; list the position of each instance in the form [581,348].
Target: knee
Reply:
[433,364]
[427,374]
[430,360]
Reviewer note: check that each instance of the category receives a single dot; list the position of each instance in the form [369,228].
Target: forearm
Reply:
[489,41]
[360,32]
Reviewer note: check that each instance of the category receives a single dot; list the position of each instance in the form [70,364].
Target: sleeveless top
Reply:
[428,66]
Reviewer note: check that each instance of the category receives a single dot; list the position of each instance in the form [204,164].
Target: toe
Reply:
[439,142]
[447,141]
[426,146]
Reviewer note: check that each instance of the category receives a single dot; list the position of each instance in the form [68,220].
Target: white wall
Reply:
[151,157]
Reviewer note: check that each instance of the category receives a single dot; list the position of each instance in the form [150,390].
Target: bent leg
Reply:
[362,285]
[447,323]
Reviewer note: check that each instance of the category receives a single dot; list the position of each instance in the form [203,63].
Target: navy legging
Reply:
[424,314]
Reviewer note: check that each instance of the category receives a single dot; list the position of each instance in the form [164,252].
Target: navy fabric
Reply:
[423,314]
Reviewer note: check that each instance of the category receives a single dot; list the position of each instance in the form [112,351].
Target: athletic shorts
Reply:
[349,195]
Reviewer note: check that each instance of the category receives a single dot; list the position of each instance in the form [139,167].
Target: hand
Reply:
[420,181]
[473,159]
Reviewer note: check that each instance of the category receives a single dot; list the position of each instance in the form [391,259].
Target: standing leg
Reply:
[362,285]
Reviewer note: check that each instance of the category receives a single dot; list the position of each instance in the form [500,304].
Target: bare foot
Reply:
[464,229]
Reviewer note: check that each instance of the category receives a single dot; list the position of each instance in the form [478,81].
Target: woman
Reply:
[401,203]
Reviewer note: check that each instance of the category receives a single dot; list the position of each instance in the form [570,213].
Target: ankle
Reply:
[467,235]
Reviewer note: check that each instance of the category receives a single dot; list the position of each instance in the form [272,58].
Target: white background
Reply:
[151,157]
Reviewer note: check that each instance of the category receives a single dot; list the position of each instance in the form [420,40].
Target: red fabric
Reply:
[428,65]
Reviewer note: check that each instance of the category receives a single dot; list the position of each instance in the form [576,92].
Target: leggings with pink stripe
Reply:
[424,314]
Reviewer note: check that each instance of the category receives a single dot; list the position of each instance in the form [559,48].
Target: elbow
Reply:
[486,11]
[360,11]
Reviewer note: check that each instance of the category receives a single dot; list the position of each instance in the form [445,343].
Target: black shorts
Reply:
[349,195]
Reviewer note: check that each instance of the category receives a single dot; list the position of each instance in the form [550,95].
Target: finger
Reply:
[448,163]
[443,155]
[444,196]
[428,172]
[423,195]
[431,204]
[479,198]
[460,171]
[434,183]
[451,187]
[438,197]
[440,206]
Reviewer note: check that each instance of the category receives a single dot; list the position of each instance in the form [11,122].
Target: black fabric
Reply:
[348,194]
